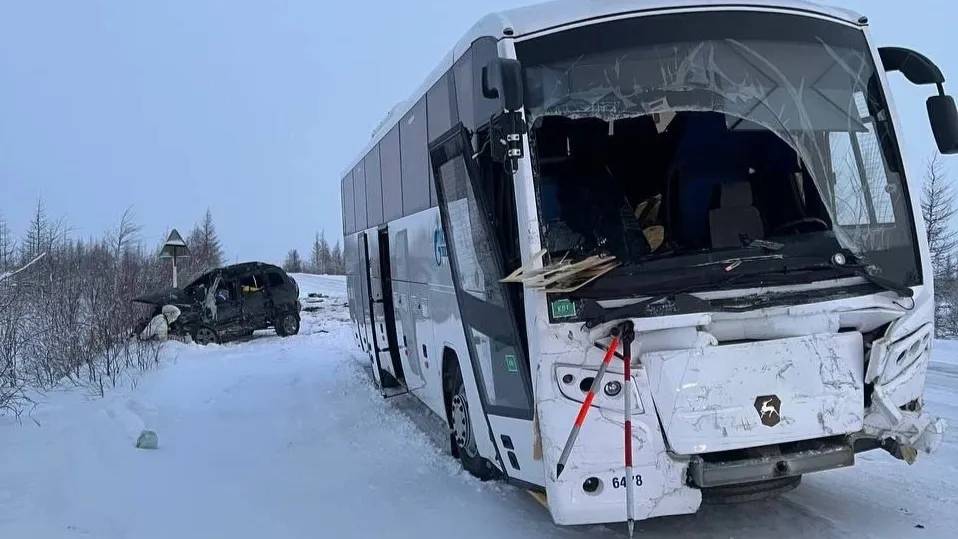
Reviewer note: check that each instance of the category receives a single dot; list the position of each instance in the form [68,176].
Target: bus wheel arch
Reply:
[458,419]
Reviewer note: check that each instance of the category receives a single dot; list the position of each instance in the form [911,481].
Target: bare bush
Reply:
[66,313]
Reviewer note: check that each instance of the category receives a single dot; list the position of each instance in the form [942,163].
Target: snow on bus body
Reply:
[771,379]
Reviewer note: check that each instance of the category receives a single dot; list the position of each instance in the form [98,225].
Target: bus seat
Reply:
[551,157]
[735,216]
[774,183]
[584,186]
[549,201]
[708,155]
[636,157]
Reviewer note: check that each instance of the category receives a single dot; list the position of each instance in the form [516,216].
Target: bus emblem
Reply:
[439,245]
[769,409]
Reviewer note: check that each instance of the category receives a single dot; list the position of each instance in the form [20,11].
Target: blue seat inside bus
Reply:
[716,184]
[708,155]
[552,155]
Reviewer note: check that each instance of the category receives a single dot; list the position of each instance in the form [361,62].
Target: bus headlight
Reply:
[575,381]
[613,388]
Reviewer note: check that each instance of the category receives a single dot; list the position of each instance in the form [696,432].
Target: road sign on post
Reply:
[174,248]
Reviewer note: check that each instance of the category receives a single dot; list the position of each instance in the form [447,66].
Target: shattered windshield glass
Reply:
[670,133]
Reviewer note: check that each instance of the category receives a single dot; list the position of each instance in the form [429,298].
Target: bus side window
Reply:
[441,115]
[359,197]
[414,162]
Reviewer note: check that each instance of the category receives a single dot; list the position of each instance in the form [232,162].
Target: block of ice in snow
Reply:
[146,440]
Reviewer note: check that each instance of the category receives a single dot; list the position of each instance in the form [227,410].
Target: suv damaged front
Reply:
[176,311]
[741,169]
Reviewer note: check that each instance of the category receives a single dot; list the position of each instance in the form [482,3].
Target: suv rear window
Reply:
[275,279]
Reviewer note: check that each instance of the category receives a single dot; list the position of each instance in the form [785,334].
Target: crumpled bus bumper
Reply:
[897,370]
[693,404]
[903,433]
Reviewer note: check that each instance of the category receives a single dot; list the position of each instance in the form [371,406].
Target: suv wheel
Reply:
[204,335]
[287,324]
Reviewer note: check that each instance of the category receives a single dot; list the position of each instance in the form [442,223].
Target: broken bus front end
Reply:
[726,187]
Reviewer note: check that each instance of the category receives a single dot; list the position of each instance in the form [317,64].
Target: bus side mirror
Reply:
[502,80]
[944,122]
[920,70]
[913,65]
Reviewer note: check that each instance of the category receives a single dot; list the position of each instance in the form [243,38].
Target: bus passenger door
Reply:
[496,350]
[379,308]
[407,303]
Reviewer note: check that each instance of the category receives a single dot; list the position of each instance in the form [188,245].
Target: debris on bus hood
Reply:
[564,275]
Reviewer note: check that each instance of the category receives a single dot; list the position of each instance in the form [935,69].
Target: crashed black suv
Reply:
[231,302]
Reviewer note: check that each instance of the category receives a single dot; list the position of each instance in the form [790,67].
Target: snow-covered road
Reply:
[287,438]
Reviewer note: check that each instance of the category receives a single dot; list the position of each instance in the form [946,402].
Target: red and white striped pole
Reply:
[587,403]
[627,374]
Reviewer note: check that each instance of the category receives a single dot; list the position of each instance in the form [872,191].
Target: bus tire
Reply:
[461,433]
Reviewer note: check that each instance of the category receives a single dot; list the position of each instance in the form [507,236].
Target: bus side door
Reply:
[496,350]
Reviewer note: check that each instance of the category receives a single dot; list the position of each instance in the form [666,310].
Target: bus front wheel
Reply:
[462,433]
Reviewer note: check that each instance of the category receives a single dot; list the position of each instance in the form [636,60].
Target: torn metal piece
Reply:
[210,300]
[913,432]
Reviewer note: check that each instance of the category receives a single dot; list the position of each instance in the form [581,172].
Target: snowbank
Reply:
[329,285]
[286,437]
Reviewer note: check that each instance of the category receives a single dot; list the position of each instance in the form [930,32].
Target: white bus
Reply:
[730,177]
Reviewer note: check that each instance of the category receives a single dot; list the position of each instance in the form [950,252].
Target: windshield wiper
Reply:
[865,271]
[682,301]
[839,262]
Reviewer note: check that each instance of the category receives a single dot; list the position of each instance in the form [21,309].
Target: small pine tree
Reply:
[211,241]
[38,232]
[8,247]
[205,246]
[293,263]
[337,264]
[320,255]
[937,210]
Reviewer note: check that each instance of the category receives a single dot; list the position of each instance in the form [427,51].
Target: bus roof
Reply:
[540,17]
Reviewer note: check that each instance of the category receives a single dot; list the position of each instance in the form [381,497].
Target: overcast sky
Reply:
[253,109]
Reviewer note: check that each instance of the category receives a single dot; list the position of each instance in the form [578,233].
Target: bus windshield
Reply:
[657,137]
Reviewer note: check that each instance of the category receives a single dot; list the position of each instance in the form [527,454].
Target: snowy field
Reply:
[287,438]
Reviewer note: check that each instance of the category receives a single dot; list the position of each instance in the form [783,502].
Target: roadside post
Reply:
[174,248]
